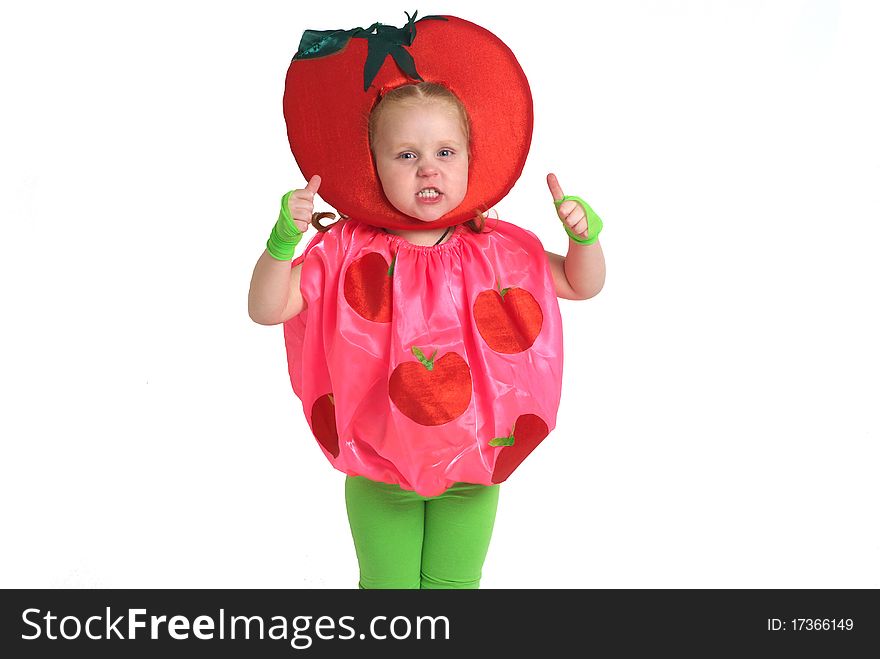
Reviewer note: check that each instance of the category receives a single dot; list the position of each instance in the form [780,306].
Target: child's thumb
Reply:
[313,184]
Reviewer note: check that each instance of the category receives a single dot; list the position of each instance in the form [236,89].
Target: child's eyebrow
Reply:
[410,145]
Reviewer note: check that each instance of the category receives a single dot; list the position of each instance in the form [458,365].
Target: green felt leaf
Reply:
[377,51]
[320,43]
[382,41]
[405,61]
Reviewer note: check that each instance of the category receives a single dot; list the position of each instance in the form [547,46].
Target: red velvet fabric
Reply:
[508,323]
[327,110]
[413,388]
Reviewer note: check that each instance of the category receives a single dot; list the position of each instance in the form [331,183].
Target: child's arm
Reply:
[581,273]
[274,295]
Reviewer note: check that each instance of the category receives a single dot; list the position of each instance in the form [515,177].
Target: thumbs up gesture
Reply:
[569,211]
[301,204]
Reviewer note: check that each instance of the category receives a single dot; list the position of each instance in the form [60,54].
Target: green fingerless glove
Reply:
[594,222]
[285,236]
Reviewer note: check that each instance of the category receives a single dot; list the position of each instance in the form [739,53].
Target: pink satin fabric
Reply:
[487,388]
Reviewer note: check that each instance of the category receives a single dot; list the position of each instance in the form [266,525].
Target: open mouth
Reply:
[429,193]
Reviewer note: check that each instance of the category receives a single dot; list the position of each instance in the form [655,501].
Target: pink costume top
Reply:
[426,366]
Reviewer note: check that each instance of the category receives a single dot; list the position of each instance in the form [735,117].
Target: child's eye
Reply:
[444,153]
[407,156]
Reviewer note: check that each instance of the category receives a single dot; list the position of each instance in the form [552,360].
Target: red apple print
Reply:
[509,320]
[432,393]
[528,431]
[367,287]
[324,424]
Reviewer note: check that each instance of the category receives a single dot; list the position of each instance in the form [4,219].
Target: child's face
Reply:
[422,147]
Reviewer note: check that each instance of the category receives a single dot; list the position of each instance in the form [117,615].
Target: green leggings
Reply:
[404,540]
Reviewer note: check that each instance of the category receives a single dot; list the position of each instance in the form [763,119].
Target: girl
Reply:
[419,438]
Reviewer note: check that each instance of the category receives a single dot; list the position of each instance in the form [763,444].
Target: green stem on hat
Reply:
[382,41]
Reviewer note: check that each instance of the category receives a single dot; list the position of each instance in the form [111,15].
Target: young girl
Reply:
[419,380]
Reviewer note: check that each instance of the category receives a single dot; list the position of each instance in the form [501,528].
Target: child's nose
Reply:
[427,169]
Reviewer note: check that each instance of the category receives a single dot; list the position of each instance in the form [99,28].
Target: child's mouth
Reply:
[429,196]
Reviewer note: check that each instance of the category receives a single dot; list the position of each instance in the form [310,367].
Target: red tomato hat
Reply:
[338,76]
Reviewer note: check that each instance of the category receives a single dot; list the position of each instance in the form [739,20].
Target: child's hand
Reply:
[570,212]
[302,204]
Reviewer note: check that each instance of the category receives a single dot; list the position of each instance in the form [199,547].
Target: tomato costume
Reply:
[482,305]
[422,366]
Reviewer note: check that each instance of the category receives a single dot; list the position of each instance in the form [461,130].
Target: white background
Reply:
[718,426]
